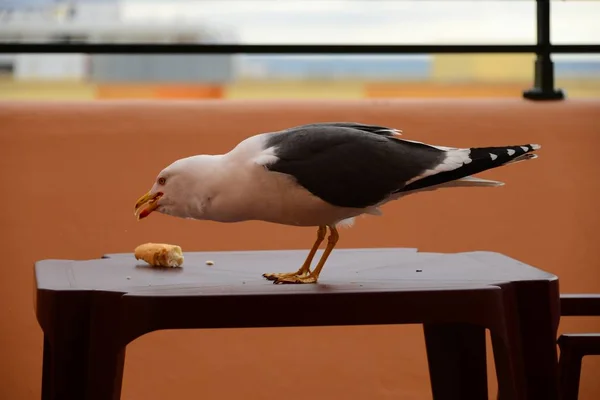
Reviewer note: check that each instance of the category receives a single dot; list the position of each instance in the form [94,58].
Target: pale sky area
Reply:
[359,21]
[364,21]
[377,21]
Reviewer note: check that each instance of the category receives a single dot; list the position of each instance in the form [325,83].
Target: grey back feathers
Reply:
[358,165]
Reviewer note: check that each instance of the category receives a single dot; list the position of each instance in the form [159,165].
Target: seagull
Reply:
[321,175]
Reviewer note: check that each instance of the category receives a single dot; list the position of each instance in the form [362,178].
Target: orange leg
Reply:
[314,275]
[305,268]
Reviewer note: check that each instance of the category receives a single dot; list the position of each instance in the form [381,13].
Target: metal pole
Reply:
[544,67]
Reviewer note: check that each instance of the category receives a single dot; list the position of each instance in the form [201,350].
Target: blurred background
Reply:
[73,170]
[98,77]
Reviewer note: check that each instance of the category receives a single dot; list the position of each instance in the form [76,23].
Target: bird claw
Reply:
[295,279]
[289,277]
[273,276]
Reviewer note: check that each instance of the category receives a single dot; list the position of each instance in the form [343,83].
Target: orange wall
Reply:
[72,171]
[158,91]
[444,90]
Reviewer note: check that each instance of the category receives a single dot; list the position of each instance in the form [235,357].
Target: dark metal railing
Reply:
[207,48]
[543,89]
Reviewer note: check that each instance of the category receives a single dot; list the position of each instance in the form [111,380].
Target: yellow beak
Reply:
[146,204]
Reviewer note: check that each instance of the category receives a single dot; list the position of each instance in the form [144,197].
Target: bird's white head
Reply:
[182,189]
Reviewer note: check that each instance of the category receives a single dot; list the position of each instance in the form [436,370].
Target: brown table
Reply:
[90,310]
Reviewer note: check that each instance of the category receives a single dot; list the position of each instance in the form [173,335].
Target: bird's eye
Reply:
[162,181]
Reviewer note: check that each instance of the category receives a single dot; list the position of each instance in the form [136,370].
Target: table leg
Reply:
[107,347]
[570,374]
[64,318]
[83,353]
[507,369]
[457,361]
[105,375]
[71,372]
[64,368]
[538,305]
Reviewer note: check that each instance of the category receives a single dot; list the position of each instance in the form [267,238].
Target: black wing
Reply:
[347,164]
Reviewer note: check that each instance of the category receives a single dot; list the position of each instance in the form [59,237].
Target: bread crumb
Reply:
[128,277]
[160,254]
[209,262]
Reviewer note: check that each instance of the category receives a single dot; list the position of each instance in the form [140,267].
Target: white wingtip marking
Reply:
[535,146]
[525,148]
[510,152]
[493,156]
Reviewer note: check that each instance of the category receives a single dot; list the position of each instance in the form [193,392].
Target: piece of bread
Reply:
[159,254]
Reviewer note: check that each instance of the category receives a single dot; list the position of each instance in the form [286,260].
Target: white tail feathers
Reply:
[467,181]
[475,181]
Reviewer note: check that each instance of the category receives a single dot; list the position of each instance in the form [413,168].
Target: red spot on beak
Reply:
[146,204]
[144,213]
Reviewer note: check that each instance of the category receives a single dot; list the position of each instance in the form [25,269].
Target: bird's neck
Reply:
[207,180]
[223,188]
